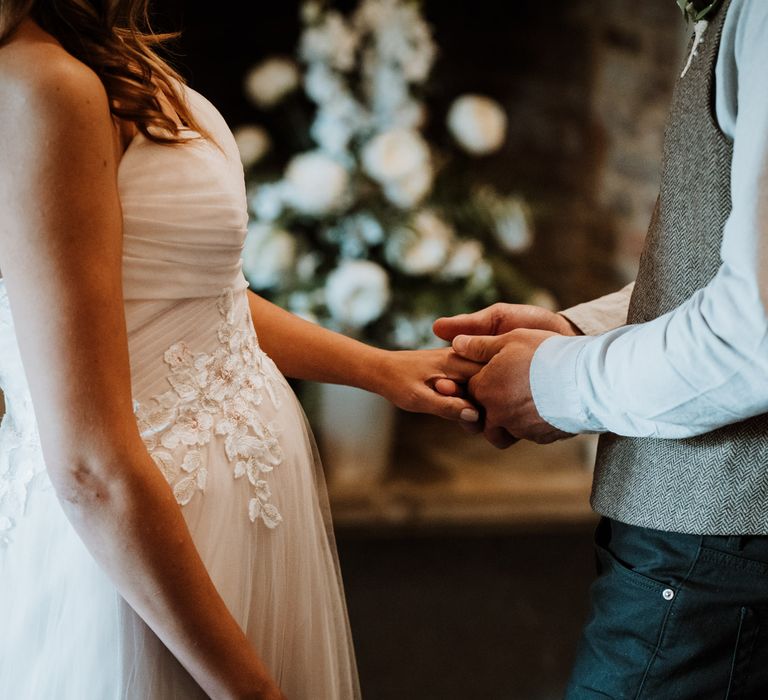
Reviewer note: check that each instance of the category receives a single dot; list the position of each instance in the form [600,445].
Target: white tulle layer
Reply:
[67,635]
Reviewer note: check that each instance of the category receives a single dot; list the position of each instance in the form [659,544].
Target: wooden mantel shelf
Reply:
[442,477]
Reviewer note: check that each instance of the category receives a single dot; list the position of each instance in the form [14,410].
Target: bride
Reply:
[163,524]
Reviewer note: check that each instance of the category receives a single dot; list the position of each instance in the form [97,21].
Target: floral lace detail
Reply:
[22,468]
[217,393]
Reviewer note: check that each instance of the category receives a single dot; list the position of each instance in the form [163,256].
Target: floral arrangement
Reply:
[365,226]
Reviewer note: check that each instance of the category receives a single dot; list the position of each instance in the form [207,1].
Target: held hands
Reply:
[410,380]
[504,337]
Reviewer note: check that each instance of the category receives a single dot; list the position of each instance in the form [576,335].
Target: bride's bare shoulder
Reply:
[39,80]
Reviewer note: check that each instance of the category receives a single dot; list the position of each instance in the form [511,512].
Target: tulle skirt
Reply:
[65,633]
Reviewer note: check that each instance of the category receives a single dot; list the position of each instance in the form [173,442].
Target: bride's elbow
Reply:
[91,483]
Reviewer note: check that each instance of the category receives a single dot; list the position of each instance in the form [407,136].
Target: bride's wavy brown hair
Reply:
[114,39]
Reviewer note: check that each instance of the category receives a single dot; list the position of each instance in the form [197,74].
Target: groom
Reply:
[675,376]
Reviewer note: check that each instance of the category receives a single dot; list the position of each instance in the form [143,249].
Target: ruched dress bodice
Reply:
[222,425]
[195,359]
[184,215]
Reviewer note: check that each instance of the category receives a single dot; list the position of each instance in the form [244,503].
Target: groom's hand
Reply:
[502,318]
[496,320]
[503,387]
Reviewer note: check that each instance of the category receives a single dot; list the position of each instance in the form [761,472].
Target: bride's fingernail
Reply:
[470,415]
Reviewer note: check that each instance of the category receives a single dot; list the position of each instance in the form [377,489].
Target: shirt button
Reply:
[668,594]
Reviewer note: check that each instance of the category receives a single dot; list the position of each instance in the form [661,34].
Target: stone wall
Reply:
[638,55]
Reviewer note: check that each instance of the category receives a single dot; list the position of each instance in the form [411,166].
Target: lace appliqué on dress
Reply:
[21,463]
[217,393]
[21,468]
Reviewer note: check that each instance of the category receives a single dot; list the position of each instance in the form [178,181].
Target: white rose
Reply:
[253,142]
[513,226]
[481,278]
[330,41]
[315,183]
[388,89]
[322,84]
[300,303]
[394,155]
[415,332]
[403,38]
[463,260]
[271,80]
[311,12]
[336,124]
[422,247]
[268,254]
[267,201]
[408,191]
[357,292]
[307,265]
[368,228]
[478,124]
[410,115]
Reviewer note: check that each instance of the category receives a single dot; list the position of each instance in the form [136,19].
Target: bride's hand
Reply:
[409,379]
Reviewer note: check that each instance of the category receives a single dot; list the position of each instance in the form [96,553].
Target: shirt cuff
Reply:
[555,387]
[602,314]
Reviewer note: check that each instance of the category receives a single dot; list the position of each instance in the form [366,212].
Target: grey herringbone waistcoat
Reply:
[716,483]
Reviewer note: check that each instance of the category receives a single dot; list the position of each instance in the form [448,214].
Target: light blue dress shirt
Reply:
[704,364]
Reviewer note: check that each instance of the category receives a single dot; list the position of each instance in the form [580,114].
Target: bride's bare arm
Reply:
[60,252]
[407,378]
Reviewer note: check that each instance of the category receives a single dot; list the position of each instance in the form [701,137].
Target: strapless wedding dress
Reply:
[226,431]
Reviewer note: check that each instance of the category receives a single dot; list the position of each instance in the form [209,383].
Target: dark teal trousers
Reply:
[674,617]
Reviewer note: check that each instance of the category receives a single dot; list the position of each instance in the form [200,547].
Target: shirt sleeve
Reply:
[602,314]
[704,364]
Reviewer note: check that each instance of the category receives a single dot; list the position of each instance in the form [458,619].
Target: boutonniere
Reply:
[698,12]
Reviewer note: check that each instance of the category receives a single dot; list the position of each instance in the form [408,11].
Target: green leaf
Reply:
[697,10]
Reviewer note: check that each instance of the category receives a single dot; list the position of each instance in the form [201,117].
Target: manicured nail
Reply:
[460,343]
[470,415]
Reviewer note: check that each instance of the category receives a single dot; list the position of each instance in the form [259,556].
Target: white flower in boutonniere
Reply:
[697,11]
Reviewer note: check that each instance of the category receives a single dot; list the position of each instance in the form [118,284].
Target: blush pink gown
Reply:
[224,428]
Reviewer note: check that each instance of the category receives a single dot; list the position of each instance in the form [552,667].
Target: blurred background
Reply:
[408,160]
